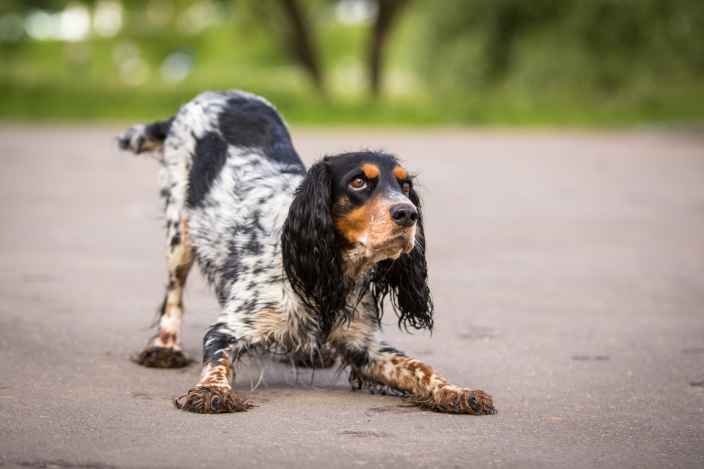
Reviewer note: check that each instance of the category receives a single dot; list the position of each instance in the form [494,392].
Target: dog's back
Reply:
[228,174]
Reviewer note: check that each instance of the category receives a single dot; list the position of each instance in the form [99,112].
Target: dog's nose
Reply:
[404,214]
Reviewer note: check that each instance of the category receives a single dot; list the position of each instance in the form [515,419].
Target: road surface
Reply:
[567,270]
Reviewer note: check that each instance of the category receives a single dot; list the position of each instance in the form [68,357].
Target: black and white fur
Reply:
[300,261]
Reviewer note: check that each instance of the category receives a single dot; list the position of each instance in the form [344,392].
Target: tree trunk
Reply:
[302,44]
[387,12]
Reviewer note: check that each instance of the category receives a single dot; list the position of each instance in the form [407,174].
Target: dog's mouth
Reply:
[395,245]
[364,254]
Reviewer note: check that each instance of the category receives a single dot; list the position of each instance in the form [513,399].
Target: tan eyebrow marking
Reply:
[371,171]
[400,173]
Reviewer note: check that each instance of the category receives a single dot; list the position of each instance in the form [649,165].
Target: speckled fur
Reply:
[229,173]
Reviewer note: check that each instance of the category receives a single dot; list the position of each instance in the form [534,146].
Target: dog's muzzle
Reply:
[404,215]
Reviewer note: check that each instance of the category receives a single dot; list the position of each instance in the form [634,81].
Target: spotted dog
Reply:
[300,261]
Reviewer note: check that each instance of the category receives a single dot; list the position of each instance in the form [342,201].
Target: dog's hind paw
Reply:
[214,400]
[161,357]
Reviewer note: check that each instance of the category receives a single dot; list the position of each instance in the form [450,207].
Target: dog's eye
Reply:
[406,187]
[358,183]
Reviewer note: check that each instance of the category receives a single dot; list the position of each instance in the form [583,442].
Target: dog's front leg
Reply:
[213,394]
[381,364]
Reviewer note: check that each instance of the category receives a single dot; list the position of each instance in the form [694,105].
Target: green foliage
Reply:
[450,62]
[563,46]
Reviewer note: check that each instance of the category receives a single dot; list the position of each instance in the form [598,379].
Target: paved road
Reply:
[568,273]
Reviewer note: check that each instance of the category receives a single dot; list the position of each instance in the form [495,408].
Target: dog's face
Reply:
[354,214]
[371,206]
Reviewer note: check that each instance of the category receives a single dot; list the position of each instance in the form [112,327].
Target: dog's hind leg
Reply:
[164,349]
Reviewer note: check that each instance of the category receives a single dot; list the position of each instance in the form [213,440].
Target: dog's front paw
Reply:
[455,400]
[162,357]
[211,400]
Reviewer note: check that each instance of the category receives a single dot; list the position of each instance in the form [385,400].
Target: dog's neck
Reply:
[356,264]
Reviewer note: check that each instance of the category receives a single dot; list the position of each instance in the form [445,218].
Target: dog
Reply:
[301,261]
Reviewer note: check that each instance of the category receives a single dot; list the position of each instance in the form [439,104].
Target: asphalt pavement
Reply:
[568,274]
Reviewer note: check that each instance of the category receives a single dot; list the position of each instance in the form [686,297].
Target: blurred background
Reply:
[566,257]
[361,62]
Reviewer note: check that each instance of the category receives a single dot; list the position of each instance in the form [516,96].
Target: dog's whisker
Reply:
[259,380]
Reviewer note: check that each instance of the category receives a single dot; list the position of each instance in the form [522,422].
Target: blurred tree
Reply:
[293,28]
[387,13]
[493,25]
[607,44]
[302,45]
[22,6]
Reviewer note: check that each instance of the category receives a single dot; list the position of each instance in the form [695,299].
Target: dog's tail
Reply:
[143,138]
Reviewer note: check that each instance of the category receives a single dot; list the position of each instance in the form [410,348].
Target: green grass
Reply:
[52,81]
[92,102]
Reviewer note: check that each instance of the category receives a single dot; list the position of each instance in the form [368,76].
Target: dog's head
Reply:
[357,217]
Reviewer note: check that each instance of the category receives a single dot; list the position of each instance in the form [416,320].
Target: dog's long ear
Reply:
[405,281]
[310,247]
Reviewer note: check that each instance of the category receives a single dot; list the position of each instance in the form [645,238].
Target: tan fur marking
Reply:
[356,333]
[180,260]
[407,374]
[354,224]
[220,375]
[168,339]
[271,327]
[400,173]
[371,171]
[369,224]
